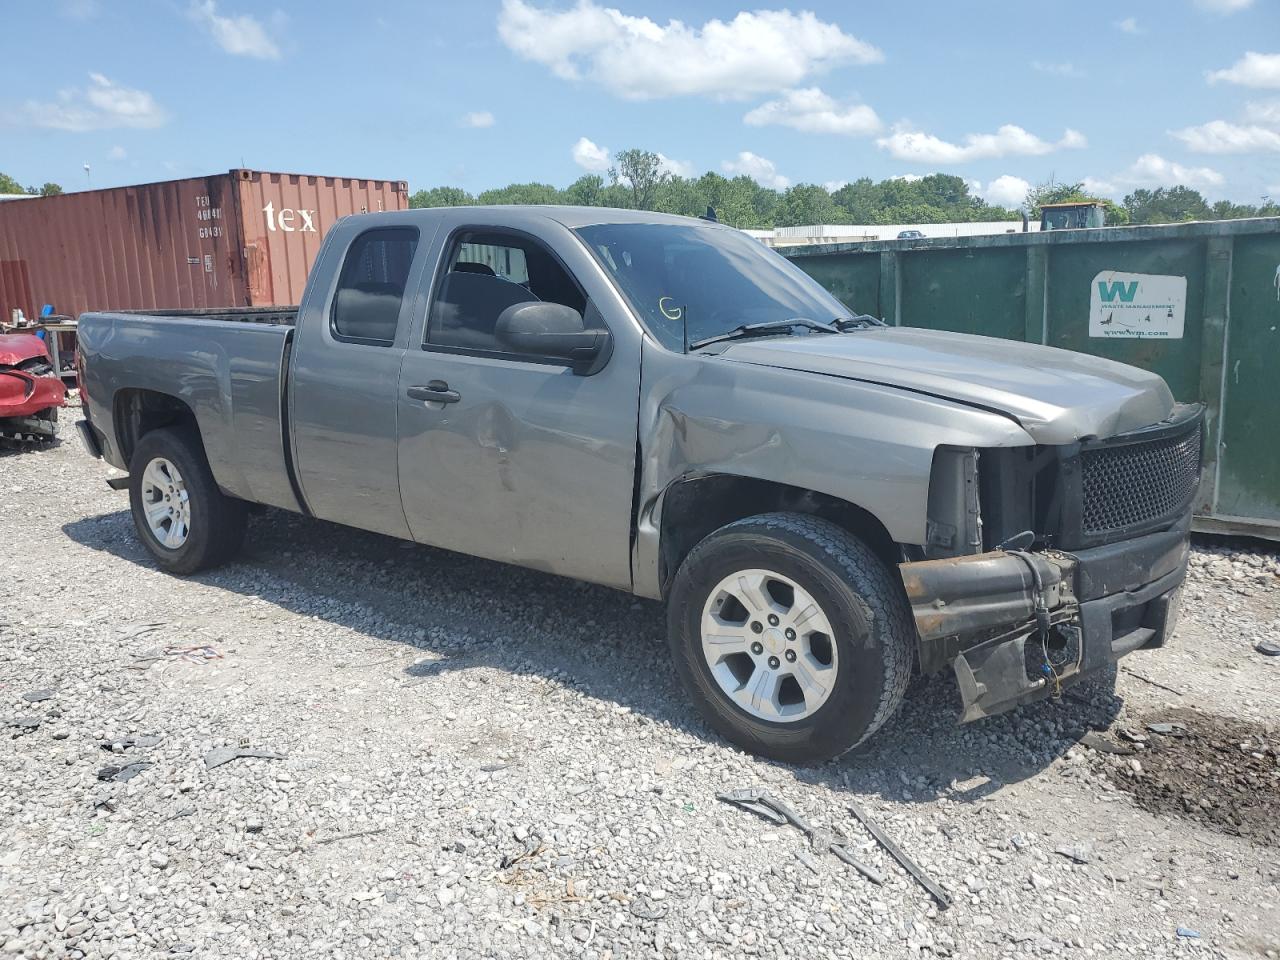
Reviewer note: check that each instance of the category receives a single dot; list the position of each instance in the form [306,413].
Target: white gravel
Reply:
[483,761]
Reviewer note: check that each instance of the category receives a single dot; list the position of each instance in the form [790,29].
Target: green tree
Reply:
[807,203]
[732,199]
[441,197]
[521,193]
[10,185]
[586,191]
[1167,205]
[641,171]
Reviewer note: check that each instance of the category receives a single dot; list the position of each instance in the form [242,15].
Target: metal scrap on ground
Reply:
[123,774]
[220,755]
[913,868]
[778,813]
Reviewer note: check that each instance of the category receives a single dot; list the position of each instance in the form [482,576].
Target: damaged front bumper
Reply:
[983,614]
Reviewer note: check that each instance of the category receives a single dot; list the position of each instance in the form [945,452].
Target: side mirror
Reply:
[552,330]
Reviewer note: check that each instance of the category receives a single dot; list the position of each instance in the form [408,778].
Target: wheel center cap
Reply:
[774,641]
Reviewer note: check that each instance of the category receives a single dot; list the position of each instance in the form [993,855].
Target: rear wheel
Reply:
[791,635]
[184,520]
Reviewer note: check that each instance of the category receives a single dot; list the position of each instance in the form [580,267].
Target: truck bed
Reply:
[228,367]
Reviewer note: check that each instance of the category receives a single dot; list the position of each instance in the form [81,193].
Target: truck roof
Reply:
[569,216]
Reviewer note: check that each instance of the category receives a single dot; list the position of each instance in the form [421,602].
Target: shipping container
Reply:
[1198,303]
[240,239]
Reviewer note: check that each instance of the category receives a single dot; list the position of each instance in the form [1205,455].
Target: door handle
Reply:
[437,391]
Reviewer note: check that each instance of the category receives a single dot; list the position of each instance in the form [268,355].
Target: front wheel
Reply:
[791,635]
[184,520]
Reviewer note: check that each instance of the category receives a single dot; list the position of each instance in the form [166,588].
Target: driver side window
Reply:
[487,273]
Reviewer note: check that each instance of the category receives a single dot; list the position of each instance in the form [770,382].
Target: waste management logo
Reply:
[1137,305]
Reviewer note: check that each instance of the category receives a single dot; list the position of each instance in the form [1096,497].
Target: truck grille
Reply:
[1129,485]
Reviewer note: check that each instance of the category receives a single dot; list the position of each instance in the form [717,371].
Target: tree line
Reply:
[639,181]
[10,185]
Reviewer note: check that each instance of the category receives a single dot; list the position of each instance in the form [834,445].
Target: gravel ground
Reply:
[481,761]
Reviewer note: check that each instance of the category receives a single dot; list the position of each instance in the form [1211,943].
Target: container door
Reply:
[342,398]
[504,458]
[1249,459]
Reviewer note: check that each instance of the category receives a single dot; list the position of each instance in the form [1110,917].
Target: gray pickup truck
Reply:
[665,406]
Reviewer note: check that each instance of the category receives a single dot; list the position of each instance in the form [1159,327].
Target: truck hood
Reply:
[1057,396]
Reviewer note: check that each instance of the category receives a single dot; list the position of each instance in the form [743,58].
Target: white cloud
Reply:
[1259,133]
[908,177]
[1152,170]
[1064,69]
[480,119]
[241,36]
[101,105]
[756,167]
[591,156]
[813,111]
[635,58]
[1128,25]
[1005,191]
[1224,6]
[80,9]
[1220,136]
[1265,112]
[1156,171]
[677,168]
[831,186]
[1251,70]
[1010,140]
[117,153]
[1100,188]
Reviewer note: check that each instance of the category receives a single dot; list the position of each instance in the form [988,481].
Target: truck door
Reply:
[507,458]
[349,344]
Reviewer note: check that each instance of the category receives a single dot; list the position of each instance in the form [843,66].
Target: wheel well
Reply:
[694,508]
[138,412]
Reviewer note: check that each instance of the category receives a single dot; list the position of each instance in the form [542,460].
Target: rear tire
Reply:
[770,678]
[184,520]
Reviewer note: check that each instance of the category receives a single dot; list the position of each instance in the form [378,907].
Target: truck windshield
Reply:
[715,277]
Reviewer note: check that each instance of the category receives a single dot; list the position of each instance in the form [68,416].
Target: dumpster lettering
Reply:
[1125,291]
[1137,305]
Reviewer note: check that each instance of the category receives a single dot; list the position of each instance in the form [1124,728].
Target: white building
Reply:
[858,233]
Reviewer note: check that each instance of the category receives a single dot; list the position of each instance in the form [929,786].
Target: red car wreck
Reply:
[30,391]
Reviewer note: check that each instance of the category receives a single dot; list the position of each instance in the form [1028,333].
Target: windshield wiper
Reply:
[764,329]
[859,322]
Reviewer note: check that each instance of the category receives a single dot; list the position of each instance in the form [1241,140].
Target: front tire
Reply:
[791,636]
[184,520]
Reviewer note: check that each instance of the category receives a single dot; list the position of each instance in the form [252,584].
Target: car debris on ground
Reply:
[221,755]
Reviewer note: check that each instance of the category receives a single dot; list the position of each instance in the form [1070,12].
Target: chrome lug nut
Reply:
[773,619]
[773,663]
[756,627]
[757,648]
[790,634]
[791,656]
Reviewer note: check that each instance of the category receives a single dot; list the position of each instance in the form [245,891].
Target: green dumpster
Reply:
[1198,303]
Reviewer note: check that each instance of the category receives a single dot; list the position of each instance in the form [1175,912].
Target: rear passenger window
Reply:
[489,272]
[366,307]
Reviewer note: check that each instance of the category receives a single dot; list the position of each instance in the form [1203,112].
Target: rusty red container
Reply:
[243,238]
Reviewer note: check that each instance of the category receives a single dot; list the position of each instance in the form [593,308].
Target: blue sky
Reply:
[484,93]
